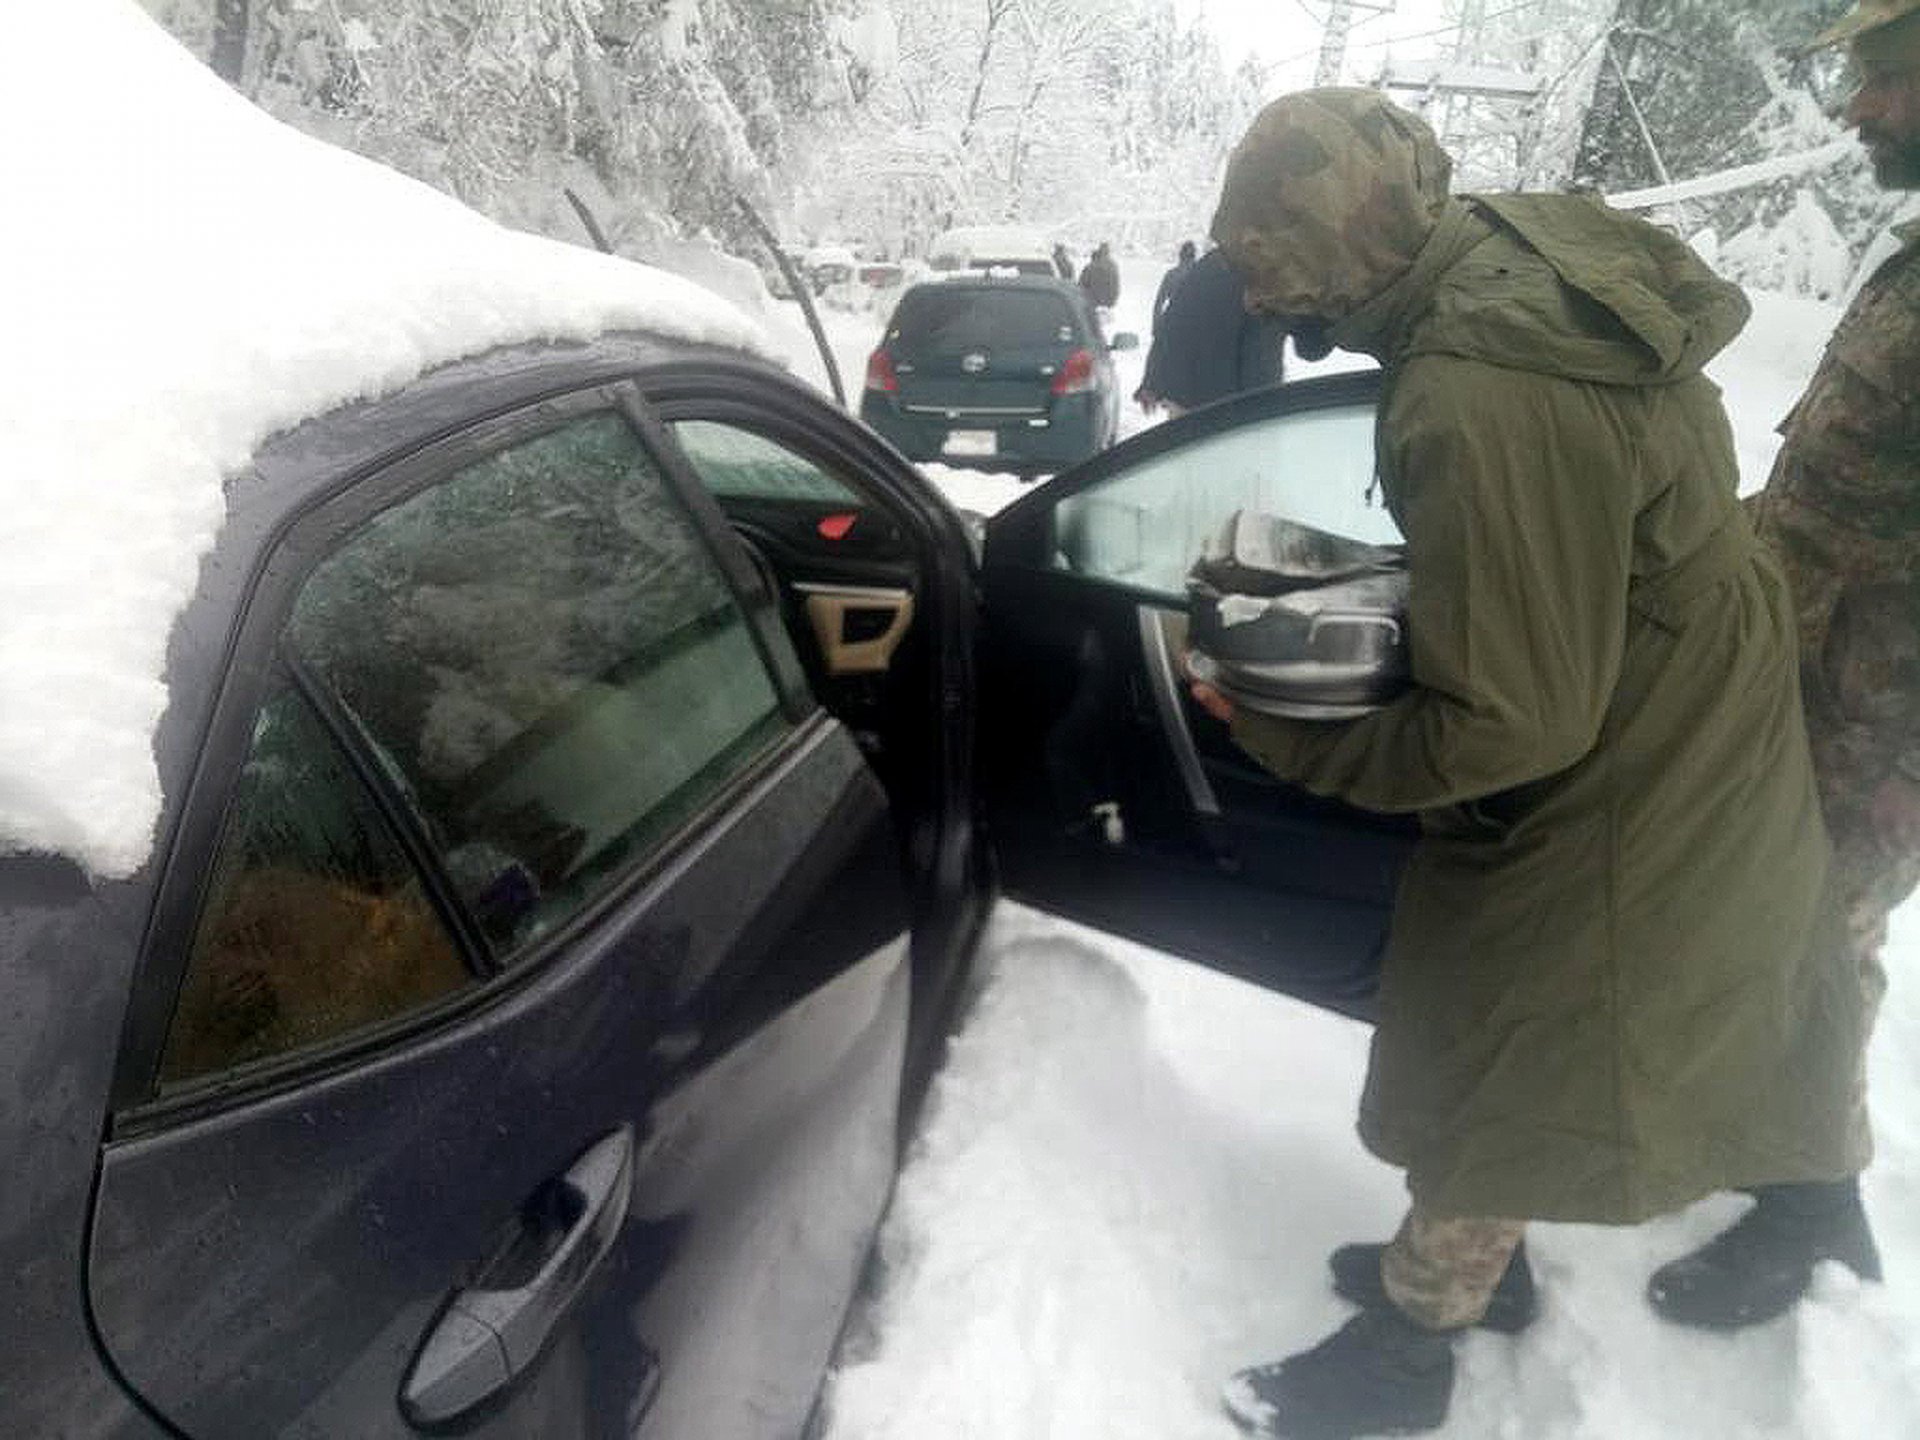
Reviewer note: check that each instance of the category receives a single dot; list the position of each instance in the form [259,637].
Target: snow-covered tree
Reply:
[1693,87]
[1041,111]
[663,112]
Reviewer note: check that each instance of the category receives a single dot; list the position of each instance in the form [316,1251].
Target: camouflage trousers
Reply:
[1441,1271]
[1870,883]
[1862,693]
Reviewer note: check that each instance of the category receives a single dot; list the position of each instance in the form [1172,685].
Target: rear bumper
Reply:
[1073,428]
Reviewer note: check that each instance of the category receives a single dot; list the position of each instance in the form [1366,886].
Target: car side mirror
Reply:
[1124,340]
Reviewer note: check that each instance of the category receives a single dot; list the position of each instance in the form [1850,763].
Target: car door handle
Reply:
[485,1338]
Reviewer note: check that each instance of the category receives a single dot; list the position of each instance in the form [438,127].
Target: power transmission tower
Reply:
[1456,94]
[1457,119]
[1333,39]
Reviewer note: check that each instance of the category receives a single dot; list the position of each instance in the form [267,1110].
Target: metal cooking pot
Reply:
[1299,622]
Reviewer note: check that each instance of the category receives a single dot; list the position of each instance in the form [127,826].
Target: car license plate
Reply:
[970,442]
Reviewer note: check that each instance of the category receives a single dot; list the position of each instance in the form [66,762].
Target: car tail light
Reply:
[1075,377]
[880,373]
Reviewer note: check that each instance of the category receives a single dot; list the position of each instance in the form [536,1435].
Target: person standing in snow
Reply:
[1100,278]
[1208,345]
[1842,512]
[1607,990]
[1062,261]
[1183,262]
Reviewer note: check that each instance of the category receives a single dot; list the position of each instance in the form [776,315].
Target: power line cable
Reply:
[1455,28]
[1401,39]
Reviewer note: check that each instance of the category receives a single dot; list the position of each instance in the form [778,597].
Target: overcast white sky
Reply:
[1285,34]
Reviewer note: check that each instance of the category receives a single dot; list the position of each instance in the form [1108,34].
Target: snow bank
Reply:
[1763,372]
[1801,253]
[1086,1228]
[182,276]
[1132,1171]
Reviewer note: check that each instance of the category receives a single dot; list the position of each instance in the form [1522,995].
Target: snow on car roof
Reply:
[182,277]
[996,240]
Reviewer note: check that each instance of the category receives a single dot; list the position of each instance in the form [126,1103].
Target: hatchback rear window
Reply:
[944,319]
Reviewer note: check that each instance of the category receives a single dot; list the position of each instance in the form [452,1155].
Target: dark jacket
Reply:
[1169,282]
[1101,279]
[1207,346]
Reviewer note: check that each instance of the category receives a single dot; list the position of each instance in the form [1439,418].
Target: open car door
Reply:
[1111,796]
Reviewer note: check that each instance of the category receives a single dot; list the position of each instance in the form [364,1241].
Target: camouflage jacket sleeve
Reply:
[1843,511]
[1852,444]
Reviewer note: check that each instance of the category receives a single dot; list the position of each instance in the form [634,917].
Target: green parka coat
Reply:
[1604,993]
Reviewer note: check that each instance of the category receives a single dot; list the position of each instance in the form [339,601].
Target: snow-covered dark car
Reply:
[998,372]
[499,785]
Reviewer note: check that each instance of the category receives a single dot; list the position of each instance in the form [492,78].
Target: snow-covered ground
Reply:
[1131,1171]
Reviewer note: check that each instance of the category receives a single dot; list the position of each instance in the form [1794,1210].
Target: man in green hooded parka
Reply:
[1605,994]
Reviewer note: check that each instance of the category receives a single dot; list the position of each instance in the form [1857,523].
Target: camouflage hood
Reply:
[1329,197]
[1336,206]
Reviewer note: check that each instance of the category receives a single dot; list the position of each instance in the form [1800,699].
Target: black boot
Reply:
[1379,1374]
[1761,1264]
[1356,1277]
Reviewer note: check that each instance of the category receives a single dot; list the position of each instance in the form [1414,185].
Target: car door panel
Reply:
[857,627]
[311,1239]
[278,1251]
[1113,797]
[808,537]
[1283,836]
[923,705]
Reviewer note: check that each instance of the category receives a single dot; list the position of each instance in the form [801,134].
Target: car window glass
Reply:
[546,657]
[738,464]
[1146,525]
[941,319]
[315,923]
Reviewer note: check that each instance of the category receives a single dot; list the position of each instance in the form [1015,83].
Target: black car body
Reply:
[576,782]
[999,372]
[527,952]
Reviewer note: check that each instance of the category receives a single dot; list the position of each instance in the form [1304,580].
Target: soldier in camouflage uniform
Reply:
[1842,511]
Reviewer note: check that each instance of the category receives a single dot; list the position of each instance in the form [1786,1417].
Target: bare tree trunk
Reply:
[229,57]
[996,11]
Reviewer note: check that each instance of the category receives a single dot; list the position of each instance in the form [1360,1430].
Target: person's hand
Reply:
[1146,399]
[1204,695]
[1212,701]
[1894,811]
